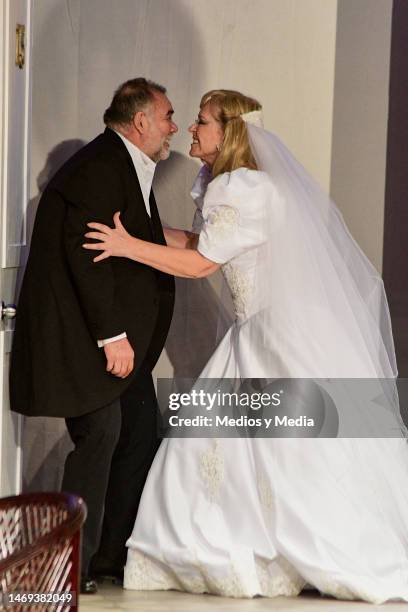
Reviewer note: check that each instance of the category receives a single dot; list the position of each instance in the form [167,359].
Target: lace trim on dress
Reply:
[143,574]
[240,287]
[265,493]
[337,590]
[228,586]
[222,219]
[212,469]
[275,578]
[340,591]
[279,577]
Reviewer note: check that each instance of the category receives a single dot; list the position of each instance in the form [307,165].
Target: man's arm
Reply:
[95,190]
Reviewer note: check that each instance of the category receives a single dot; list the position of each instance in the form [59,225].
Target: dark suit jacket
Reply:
[67,302]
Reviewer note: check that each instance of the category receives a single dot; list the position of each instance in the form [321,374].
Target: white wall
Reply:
[281,51]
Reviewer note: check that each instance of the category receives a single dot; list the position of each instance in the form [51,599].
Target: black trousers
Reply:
[114,448]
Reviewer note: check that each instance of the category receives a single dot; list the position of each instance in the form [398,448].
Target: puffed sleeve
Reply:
[233,214]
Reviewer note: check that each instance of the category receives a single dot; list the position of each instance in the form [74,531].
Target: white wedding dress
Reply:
[246,517]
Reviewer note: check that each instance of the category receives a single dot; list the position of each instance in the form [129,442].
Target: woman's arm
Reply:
[184,262]
[187,263]
[181,239]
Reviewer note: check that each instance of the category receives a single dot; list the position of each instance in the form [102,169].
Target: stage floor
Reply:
[110,597]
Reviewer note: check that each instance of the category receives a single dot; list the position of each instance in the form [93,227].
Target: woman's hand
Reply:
[113,242]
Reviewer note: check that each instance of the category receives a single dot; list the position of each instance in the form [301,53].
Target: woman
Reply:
[248,517]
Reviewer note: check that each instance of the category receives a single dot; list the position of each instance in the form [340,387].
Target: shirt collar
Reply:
[140,160]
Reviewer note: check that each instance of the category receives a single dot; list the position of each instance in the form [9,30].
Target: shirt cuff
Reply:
[102,343]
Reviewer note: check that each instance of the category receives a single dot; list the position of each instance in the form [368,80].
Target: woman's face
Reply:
[207,136]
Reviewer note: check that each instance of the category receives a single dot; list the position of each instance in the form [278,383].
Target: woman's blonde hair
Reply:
[227,106]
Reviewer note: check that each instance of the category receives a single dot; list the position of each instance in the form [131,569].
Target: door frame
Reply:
[15,132]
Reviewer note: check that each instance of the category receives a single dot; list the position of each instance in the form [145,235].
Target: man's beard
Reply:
[164,151]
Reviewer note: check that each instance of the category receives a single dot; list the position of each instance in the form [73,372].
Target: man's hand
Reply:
[119,357]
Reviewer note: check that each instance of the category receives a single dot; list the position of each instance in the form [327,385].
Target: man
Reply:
[88,334]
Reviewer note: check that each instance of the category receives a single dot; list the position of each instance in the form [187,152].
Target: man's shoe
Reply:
[112,575]
[88,586]
[104,570]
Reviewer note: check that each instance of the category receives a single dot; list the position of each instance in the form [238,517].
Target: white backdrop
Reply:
[282,52]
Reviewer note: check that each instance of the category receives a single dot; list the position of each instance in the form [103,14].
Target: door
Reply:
[14,186]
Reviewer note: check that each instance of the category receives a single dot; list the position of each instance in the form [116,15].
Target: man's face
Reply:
[161,127]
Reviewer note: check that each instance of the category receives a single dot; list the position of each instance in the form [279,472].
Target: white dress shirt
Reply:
[145,168]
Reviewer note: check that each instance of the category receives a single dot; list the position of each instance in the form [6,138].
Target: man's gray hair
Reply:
[129,98]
